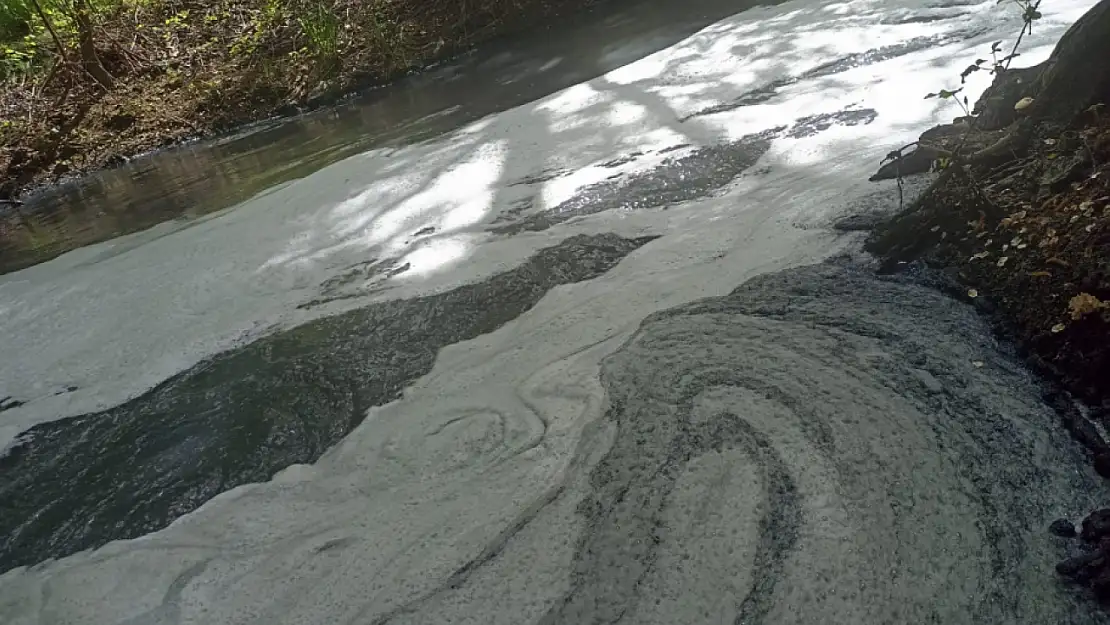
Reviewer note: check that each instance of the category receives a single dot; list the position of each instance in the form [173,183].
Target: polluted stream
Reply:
[197,179]
[600,357]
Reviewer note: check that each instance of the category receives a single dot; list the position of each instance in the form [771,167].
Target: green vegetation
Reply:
[84,83]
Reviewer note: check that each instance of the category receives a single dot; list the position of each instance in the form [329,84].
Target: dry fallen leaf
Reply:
[1058,328]
[978,364]
[1002,261]
[980,255]
[972,293]
[1040,274]
[1084,304]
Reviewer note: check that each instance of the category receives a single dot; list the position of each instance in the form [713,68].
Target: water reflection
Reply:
[201,178]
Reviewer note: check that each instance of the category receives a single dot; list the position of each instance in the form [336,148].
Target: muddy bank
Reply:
[185,70]
[1020,218]
[1024,221]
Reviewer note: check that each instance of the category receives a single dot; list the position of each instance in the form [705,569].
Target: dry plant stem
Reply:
[1028,26]
[901,193]
[49,76]
[972,126]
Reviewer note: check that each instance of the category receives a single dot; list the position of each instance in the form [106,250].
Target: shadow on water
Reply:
[197,179]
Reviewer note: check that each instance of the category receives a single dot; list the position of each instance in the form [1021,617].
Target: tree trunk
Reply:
[1075,77]
[1078,73]
[87,45]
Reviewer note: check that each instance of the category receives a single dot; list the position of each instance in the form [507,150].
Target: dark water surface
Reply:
[200,178]
[244,415]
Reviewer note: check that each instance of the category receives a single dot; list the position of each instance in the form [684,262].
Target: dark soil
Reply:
[1025,221]
[1040,257]
[1062,528]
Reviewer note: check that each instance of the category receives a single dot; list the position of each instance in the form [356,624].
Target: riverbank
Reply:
[1022,223]
[1025,222]
[1037,261]
[187,70]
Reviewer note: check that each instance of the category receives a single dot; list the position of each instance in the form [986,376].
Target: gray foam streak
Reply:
[248,413]
[892,478]
[819,446]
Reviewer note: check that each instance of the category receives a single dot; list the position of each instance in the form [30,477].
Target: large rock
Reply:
[1077,74]
[995,108]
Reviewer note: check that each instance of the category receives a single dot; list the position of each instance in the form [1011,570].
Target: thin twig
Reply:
[1028,11]
[1027,16]
[901,194]
[1091,153]
[50,27]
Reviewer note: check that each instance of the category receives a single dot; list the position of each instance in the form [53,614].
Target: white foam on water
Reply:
[116,318]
